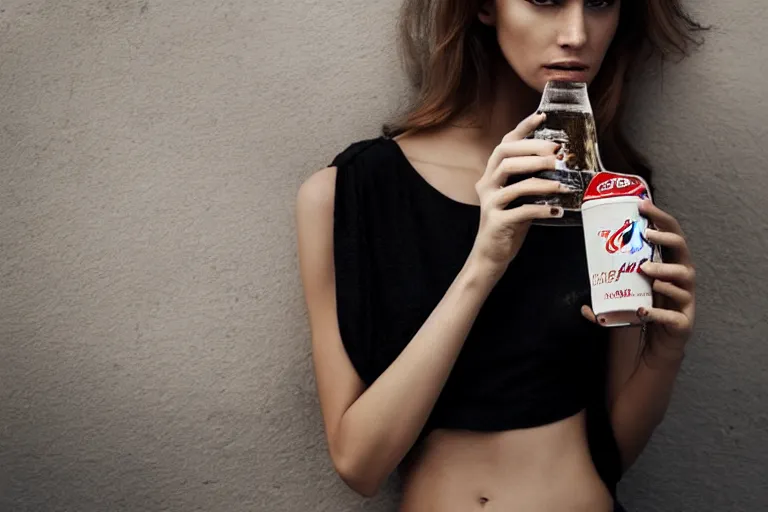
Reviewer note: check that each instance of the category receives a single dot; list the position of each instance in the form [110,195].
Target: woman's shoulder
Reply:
[356,161]
[317,193]
[363,152]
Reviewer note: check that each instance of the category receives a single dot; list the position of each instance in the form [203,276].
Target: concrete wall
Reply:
[154,353]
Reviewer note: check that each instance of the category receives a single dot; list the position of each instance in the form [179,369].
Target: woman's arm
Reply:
[641,380]
[370,430]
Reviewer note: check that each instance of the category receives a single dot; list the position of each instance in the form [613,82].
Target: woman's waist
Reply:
[539,450]
[534,469]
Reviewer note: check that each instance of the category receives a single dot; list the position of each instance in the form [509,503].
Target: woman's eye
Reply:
[591,4]
[599,4]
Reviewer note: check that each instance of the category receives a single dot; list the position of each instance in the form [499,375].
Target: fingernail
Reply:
[560,156]
[558,147]
[642,313]
[556,212]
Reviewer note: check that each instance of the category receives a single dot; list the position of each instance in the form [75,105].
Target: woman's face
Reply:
[553,39]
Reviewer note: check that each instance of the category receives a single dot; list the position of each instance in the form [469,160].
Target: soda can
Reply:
[614,236]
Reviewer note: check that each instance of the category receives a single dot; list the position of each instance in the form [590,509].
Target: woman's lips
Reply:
[566,75]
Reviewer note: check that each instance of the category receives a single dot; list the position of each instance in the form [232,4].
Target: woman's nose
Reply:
[572,31]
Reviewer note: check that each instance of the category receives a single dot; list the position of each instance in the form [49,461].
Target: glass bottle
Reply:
[571,123]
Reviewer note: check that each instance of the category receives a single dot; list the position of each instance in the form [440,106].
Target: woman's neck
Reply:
[480,132]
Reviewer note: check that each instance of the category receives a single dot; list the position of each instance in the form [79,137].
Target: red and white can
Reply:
[614,235]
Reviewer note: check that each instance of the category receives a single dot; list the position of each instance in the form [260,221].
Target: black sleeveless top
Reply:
[530,358]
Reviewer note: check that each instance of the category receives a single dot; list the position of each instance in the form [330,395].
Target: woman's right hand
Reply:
[501,232]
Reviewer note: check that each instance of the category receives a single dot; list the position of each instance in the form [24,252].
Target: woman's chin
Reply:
[534,83]
[538,85]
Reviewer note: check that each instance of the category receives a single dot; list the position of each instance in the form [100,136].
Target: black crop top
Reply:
[530,357]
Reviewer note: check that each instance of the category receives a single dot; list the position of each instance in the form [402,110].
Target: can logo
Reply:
[628,239]
[608,184]
[613,183]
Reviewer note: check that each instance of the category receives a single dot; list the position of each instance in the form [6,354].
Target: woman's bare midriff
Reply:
[541,469]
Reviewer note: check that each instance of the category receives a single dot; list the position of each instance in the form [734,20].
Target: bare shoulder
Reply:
[314,228]
[317,193]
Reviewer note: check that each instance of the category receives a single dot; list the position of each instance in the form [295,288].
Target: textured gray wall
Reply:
[154,352]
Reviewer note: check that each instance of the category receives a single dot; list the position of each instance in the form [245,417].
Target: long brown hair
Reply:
[449,55]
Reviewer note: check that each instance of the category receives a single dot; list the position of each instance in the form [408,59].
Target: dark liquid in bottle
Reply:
[576,133]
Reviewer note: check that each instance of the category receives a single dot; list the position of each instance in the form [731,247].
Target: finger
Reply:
[522,165]
[529,187]
[659,217]
[674,241]
[673,320]
[525,127]
[677,294]
[682,275]
[525,147]
[528,212]
[587,313]
[528,147]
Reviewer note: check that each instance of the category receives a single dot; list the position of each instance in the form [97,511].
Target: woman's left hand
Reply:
[670,322]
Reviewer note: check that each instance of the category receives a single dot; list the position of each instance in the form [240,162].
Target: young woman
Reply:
[451,338]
